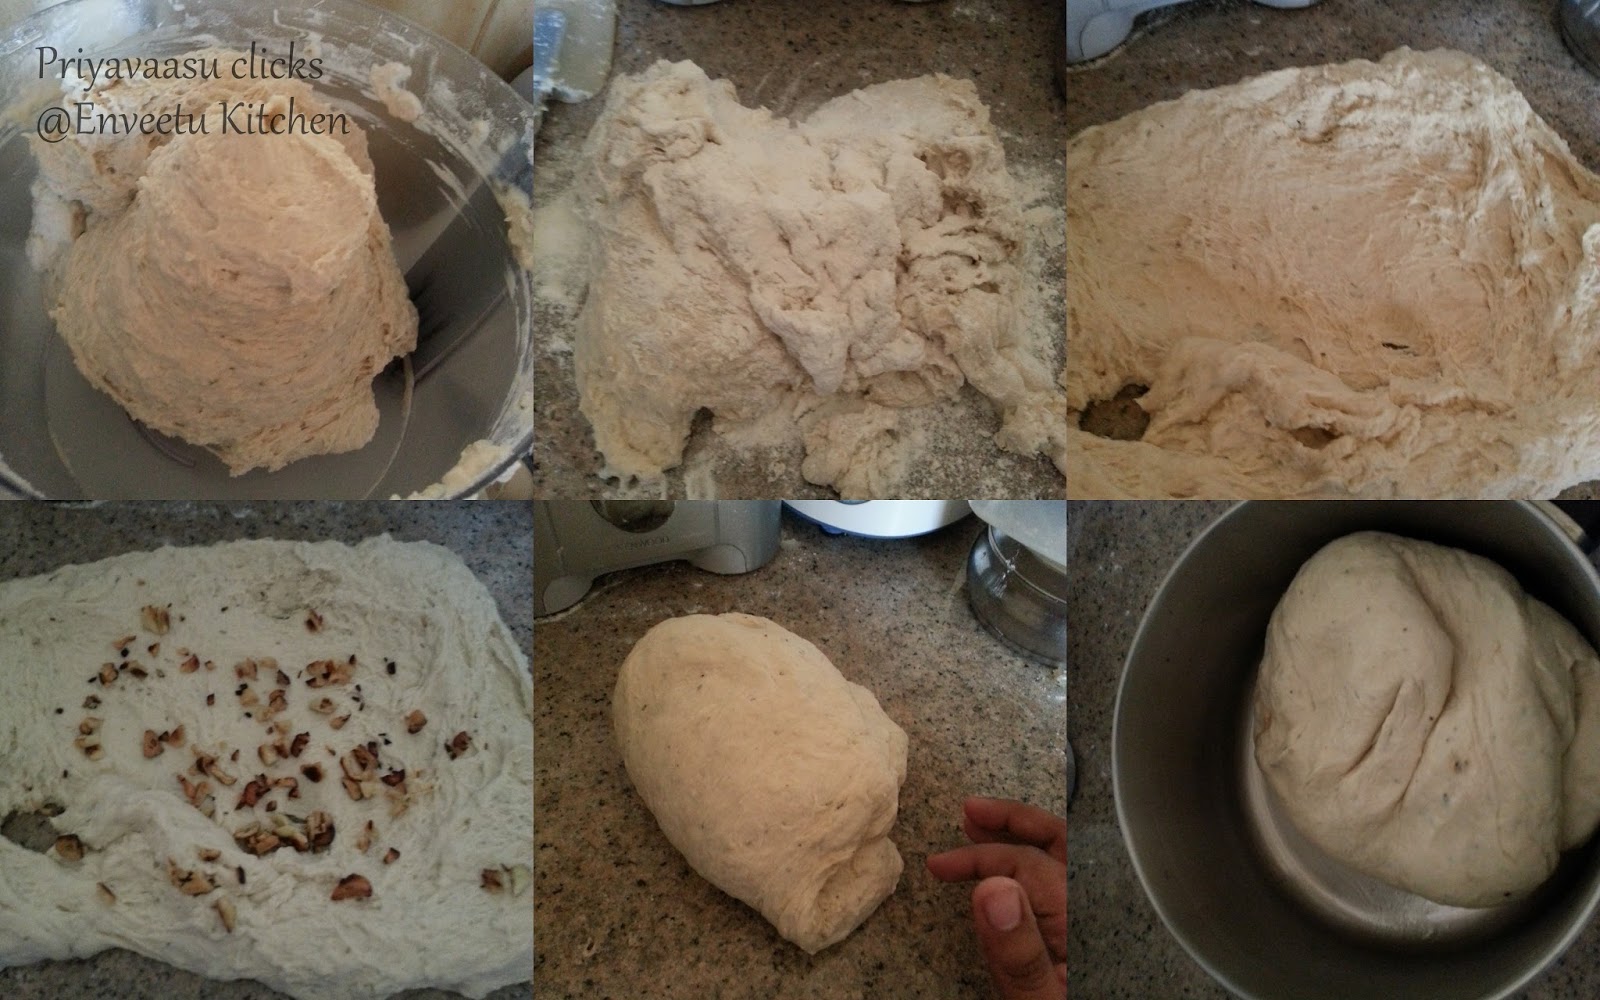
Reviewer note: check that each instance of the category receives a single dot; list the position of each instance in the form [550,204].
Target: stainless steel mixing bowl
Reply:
[61,439]
[1259,911]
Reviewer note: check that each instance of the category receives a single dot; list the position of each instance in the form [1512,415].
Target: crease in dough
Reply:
[1424,720]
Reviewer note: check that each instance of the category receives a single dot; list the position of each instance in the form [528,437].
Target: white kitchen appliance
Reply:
[1095,27]
[881,518]
[575,541]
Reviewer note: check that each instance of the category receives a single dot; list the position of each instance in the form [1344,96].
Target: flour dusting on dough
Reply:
[739,260]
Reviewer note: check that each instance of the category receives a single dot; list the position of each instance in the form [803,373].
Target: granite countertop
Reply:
[1119,949]
[619,907]
[493,538]
[1209,44]
[792,58]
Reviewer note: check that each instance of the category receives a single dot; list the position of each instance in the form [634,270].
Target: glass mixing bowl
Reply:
[441,178]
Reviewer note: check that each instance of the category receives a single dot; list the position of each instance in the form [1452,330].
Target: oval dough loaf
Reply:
[776,777]
[1425,721]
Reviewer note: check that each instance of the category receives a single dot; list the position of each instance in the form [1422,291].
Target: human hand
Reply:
[1019,907]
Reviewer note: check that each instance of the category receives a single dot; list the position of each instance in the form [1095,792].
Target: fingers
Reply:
[978,861]
[1011,944]
[987,821]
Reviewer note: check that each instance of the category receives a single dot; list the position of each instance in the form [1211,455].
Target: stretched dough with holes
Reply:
[1425,721]
[775,776]
[1368,279]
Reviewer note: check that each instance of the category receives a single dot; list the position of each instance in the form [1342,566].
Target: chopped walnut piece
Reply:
[91,749]
[196,884]
[415,721]
[459,744]
[352,788]
[323,673]
[292,784]
[319,828]
[313,772]
[490,880]
[391,856]
[152,746]
[394,778]
[298,744]
[245,670]
[282,679]
[69,848]
[190,664]
[108,673]
[338,721]
[216,771]
[276,703]
[323,706]
[268,754]
[154,649]
[105,893]
[368,834]
[122,644]
[229,915]
[209,853]
[89,725]
[352,887]
[249,699]
[252,792]
[156,620]
[173,738]
[137,669]
[92,702]
[358,764]
[313,620]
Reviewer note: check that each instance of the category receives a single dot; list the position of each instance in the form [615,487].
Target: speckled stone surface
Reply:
[1210,43]
[1119,949]
[493,538]
[617,906]
[792,58]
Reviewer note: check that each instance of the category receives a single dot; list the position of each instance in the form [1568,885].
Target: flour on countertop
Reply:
[739,263]
[1372,279]
[451,817]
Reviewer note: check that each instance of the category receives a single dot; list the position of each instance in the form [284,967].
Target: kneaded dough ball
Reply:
[777,778]
[1425,721]
[238,291]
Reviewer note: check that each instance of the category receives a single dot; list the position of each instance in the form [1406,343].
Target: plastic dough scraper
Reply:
[571,49]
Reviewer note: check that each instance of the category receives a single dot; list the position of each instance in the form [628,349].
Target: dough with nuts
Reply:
[211,762]
[776,777]
[1425,721]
